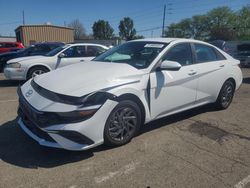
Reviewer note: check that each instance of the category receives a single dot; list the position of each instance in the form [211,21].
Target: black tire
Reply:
[226,95]
[38,69]
[124,119]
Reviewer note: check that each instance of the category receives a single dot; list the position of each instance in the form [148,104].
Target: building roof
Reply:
[43,25]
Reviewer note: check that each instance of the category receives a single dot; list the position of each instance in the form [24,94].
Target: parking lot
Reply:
[197,148]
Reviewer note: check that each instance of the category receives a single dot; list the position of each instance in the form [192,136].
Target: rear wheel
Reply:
[34,71]
[122,124]
[226,95]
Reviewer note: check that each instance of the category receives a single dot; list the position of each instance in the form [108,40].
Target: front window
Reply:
[180,53]
[139,54]
[56,50]
[75,51]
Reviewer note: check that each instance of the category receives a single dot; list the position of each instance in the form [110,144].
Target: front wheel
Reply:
[122,124]
[36,71]
[226,95]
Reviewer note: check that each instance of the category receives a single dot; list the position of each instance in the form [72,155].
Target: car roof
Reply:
[86,44]
[169,40]
[49,43]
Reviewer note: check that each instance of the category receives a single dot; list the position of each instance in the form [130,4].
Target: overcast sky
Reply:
[147,14]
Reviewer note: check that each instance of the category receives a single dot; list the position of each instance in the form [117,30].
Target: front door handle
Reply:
[81,60]
[222,65]
[192,72]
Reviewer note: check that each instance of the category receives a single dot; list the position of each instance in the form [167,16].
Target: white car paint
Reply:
[50,62]
[161,92]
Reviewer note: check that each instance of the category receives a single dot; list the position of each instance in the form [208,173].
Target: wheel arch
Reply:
[231,79]
[136,99]
[37,65]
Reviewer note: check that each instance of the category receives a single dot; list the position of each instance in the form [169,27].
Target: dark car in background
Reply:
[238,49]
[229,47]
[36,49]
[10,46]
[243,54]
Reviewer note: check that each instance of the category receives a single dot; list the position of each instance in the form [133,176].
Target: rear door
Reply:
[93,51]
[173,90]
[212,69]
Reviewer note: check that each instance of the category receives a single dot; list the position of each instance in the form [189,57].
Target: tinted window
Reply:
[94,51]
[205,53]
[52,47]
[75,51]
[180,53]
[38,49]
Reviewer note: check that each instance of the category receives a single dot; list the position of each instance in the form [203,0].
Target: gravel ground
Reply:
[197,148]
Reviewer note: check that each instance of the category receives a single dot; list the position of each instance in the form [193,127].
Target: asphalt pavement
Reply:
[197,148]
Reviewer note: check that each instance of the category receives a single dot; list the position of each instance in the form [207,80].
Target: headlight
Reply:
[13,65]
[89,106]
[97,98]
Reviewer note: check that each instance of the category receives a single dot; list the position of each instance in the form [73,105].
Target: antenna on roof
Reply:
[23,18]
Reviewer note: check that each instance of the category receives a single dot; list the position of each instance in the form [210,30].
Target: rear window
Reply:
[206,53]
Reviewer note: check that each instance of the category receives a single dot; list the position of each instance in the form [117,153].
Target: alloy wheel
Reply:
[37,72]
[227,94]
[123,123]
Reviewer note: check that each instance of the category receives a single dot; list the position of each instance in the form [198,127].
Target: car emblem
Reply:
[28,93]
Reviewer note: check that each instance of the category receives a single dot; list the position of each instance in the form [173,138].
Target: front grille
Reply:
[29,116]
[33,128]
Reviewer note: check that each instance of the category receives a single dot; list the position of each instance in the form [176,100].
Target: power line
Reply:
[149,29]
[11,23]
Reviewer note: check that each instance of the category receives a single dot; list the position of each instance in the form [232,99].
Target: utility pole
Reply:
[163,21]
[23,18]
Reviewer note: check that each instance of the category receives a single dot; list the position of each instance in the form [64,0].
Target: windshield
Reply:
[56,50]
[139,54]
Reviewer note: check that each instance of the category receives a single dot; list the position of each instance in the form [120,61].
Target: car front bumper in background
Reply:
[15,73]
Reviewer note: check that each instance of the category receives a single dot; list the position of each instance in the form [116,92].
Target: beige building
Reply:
[30,34]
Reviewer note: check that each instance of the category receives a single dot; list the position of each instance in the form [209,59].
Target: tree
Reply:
[79,30]
[242,25]
[102,30]
[126,28]
[221,22]
[138,37]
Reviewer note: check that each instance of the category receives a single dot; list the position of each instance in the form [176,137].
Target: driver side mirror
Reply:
[169,65]
[61,55]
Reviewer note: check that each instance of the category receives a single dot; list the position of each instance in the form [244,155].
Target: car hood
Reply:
[84,78]
[20,59]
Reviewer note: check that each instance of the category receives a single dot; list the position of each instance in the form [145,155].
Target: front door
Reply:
[173,91]
[74,54]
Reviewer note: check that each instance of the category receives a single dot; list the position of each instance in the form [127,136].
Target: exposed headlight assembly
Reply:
[86,110]
[95,98]
[13,65]
[87,106]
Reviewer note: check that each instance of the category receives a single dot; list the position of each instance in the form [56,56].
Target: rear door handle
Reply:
[81,60]
[192,72]
[222,65]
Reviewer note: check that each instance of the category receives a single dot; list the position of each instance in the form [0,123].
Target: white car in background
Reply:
[25,68]
[107,100]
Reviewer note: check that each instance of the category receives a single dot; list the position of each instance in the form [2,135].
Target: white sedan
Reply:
[109,99]
[25,68]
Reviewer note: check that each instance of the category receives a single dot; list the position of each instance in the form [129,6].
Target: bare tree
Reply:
[79,29]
